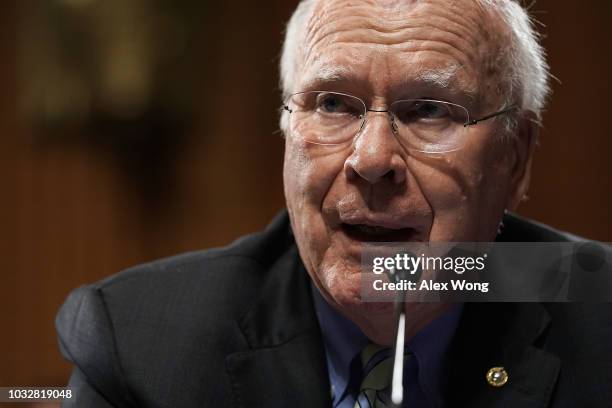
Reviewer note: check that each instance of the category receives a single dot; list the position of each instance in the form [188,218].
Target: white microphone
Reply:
[397,385]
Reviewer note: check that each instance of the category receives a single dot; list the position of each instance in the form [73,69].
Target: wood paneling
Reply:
[572,180]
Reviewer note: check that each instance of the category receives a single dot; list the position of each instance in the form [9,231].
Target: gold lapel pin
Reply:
[497,376]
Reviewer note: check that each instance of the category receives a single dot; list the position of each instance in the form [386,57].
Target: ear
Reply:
[524,144]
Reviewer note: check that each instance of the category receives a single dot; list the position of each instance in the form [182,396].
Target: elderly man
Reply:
[404,121]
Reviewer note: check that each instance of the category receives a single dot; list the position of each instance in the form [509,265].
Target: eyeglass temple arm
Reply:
[492,115]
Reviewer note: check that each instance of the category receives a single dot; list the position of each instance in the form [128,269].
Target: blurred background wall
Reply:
[132,130]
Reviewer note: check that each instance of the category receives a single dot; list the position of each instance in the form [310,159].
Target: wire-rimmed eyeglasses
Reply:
[423,125]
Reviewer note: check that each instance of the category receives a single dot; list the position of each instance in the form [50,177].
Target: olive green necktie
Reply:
[375,389]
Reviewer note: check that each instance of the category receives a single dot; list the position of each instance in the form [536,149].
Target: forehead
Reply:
[388,44]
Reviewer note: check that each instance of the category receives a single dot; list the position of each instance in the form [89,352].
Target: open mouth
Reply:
[369,233]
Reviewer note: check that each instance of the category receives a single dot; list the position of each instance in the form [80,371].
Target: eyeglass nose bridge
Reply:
[390,114]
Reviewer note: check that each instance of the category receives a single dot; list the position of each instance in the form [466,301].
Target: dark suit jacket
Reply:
[235,327]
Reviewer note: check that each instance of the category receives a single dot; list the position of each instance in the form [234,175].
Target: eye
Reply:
[331,103]
[430,110]
[409,111]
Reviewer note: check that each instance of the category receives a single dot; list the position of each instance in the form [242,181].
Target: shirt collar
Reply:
[343,340]
[430,346]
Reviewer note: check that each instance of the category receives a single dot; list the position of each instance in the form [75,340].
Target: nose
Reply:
[377,153]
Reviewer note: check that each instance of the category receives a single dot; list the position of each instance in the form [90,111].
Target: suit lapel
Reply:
[285,366]
[502,335]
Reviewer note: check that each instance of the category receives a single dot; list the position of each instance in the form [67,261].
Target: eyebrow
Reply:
[324,73]
[445,77]
[437,78]
[442,77]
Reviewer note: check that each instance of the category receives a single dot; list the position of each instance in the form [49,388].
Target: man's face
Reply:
[373,189]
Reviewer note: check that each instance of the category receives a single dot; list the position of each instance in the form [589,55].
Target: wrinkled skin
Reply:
[382,50]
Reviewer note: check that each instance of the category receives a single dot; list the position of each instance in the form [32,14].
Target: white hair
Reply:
[524,67]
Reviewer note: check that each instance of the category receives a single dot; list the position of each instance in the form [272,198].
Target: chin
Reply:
[341,280]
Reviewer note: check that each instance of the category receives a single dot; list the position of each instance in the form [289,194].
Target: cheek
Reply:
[467,192]
[309,172]
[442,184]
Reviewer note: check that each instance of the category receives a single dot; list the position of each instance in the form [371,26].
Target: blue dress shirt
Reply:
[424,374]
